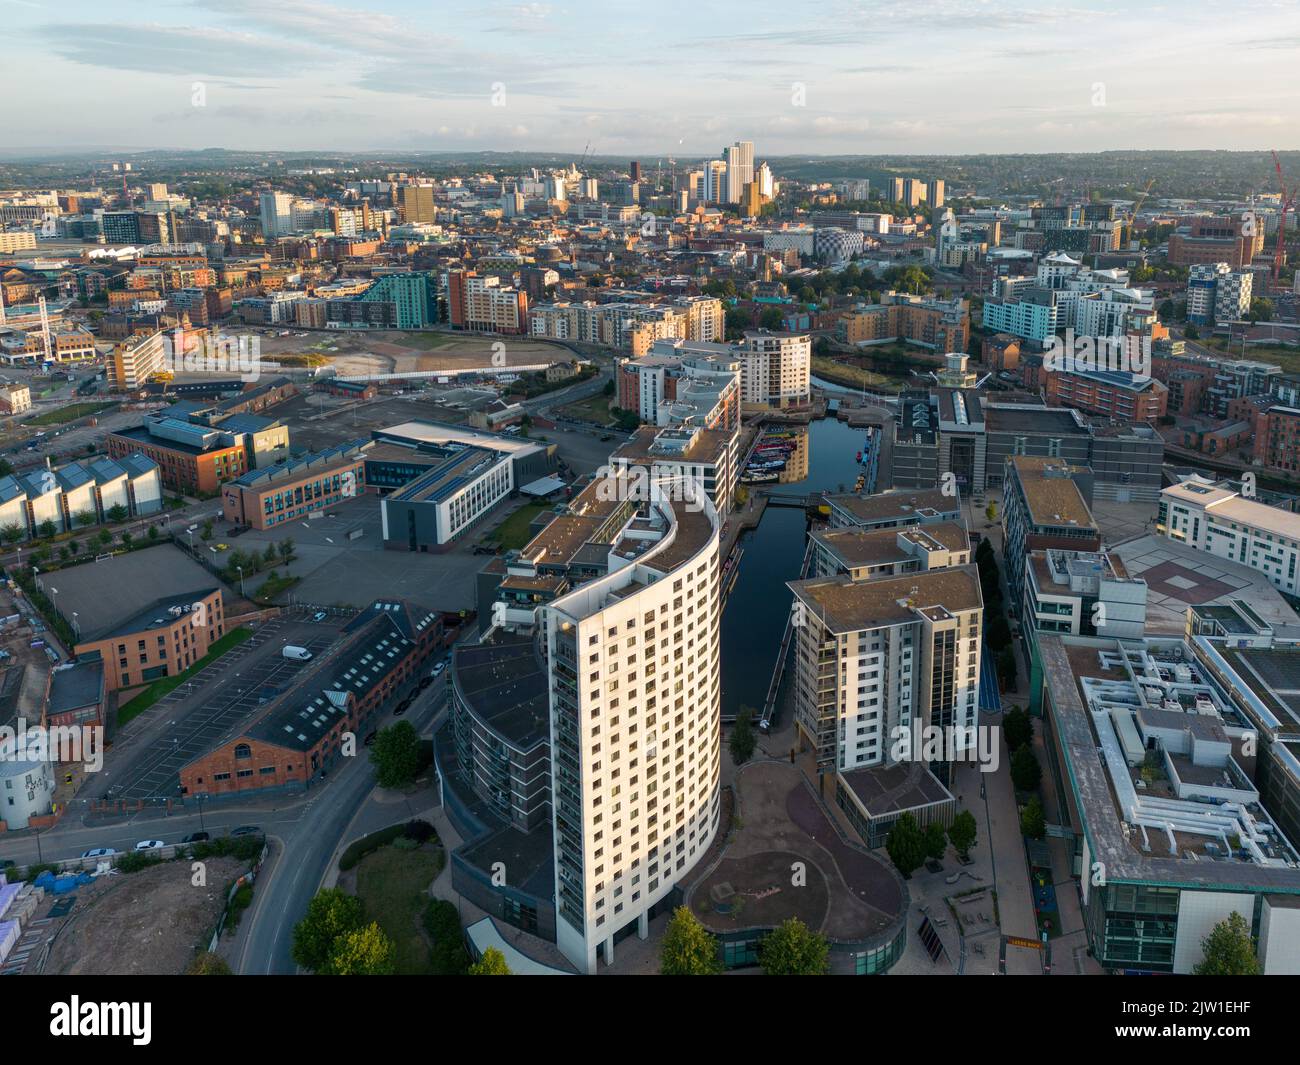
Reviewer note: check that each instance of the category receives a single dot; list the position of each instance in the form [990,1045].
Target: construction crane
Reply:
[45,329]
[1137,206]
[1288,202]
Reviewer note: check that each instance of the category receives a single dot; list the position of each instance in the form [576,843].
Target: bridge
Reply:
[790,499]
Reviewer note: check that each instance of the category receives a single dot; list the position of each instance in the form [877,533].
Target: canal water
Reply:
[759,604]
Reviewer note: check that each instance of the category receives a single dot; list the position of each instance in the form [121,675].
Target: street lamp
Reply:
[241,577]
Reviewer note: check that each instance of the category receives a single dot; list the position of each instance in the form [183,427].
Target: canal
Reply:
[756,611]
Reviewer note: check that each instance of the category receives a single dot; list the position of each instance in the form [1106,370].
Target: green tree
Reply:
[771,318]
[396,755]
[792,949]
[1032,822]
[361,952]
[11,534]
[1025,770]
[330,915]
[285,549]
[1261,309]
[688,948]
[906,845]
[117,512]
[742,740]
[1229,950]
[206,533]
[962,833]
[936,841]
[208,964]
[493,963]
[1018,727]
[609,389]
[153,532]
[104,537]
[1007,668]
[46,529]
[86,517]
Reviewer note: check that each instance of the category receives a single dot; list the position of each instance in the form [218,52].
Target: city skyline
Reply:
[509,77]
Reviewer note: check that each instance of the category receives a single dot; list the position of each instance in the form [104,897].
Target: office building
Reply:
[1176,766]
[1223,523]
[1045,504]
[739,161]
[291,491]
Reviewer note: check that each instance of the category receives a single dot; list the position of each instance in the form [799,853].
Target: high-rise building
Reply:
[634,170]
[880,659]
[277,214]
[415,203]
[715,181]
[739,158]
[934,192]
[775,369]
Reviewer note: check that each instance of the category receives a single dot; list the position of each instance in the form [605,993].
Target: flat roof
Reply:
[899,504]
[106,594]
[846,605]
[420,432]
[856,547]
[1053,497]
[504,685]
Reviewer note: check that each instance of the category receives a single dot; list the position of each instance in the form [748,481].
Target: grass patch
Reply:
[163,685]
[391,884]
[853,376]
[70,413]
[592,409]
[275,584]
[427,341]
[513,532]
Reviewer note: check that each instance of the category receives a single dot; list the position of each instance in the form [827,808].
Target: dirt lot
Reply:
[143,924]
[384,351]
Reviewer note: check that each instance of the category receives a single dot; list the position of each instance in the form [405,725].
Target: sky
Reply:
[653,78]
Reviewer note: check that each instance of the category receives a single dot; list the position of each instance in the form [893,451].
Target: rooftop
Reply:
[845,605]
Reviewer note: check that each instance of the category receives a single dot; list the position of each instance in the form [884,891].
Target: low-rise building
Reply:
[264,498]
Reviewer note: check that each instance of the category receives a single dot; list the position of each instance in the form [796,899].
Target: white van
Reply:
[298,654]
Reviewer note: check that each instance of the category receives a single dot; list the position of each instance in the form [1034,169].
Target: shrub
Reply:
[135,861]
[368,845]
[421,831]
[442,922]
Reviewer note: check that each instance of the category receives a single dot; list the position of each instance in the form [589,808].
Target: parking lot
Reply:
[336,571]
[214,704]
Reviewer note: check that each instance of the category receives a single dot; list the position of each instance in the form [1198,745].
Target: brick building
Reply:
[1122,396]
[163,639]
[301,733]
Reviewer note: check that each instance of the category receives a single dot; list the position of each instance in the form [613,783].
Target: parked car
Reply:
[246,830]
[425,682]
[197,837]
[149,844]
[437,670]
[320,615]
[370,738]
[98,852]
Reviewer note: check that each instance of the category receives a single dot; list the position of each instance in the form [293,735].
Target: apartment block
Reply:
[1045,504]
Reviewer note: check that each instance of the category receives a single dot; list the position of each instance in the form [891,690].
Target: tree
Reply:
[1032,822]
[117,512]
[742,740]
[270,555]
[493,963]
[906,845]
[46,529]
[126,537]
[86,517]
[936,841]
[1261,309]
[285,548]
[396,755]
[330,915]
[792,949]
[1229,950]
[962,833]
[208,964]
[361,952]
[104,537]
[153,532]
[1018,727]
[771,318]
[1025,770]
[11,534]
[609,389]
[1192,333]
[688,949]
[206,534]
[1006,663]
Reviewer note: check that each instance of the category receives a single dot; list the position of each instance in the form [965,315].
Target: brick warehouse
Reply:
[301,733]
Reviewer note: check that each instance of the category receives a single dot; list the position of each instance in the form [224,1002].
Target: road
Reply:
[302,854]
